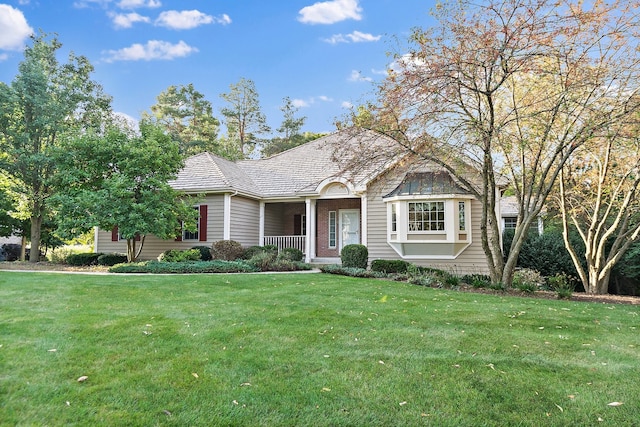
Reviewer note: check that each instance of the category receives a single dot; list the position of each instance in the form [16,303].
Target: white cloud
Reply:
[126,20]
[299,103]
[346,104]
[153,50]
[354,37]
[356,76]
[3,57]
[187,19]
[302,103]
[330,12]
[135,4]
[14,29]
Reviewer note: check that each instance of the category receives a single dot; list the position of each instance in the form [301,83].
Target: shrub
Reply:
[351,271]
[227,250]
[176,255]
[528,280]
[392,266]
[251,251]
[477,280]
[10,252]
[205,252]
[356,256]
[83,259]
[263,260]
[562,284]
[291,254]
[188,267]
[111,259]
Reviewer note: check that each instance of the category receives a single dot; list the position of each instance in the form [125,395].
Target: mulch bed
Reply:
[576,296]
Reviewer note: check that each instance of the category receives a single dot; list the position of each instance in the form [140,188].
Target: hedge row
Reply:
[156,267]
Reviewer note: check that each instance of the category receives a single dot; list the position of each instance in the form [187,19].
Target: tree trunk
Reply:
[23,247]
[36,227]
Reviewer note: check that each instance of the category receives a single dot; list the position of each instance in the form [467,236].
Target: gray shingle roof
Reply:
[297,171]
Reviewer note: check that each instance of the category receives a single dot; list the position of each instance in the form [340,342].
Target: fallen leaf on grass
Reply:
[402,403]
[326,389]
[195,375]
[53,350]
[83,378]
[559,407]
[168,413]
[615,404]
[245,385]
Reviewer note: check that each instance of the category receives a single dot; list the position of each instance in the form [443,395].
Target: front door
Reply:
[349,227]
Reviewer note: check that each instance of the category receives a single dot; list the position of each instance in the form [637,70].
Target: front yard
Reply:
[306,349]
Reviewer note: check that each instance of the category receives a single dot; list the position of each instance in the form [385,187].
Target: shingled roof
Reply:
[291,173]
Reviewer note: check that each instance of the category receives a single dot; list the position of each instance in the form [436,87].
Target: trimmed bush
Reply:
[83,259]
[389,266]
[111,259]
[205,252]
[188,267]
[227,250]
[291,254]
[10,252]
[176,255]
[356,256]
[262,260]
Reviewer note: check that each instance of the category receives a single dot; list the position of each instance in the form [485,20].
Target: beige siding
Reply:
[154,246]
[245,221]
[274,219]
[471,260]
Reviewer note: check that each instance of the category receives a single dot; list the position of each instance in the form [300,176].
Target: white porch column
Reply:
[261,229]
[226,234]
[364,221]
[311,220]
[308,211]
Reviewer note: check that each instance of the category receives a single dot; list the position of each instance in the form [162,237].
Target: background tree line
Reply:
[68,163]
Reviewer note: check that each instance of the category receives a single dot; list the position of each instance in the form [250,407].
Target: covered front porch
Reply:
[319,227]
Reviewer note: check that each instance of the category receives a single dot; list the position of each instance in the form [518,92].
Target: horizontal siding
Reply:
[471,261]
[154,246]
[274,219]
[245,221]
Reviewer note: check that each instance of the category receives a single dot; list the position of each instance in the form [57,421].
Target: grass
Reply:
[306,349]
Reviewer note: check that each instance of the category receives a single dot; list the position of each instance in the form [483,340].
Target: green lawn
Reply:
[306,349]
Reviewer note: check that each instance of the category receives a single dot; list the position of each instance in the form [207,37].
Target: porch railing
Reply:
[282,242]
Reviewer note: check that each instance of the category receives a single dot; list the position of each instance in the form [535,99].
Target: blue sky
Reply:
[324,55]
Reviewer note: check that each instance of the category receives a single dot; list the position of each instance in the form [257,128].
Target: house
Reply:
[304,198]
[509,211]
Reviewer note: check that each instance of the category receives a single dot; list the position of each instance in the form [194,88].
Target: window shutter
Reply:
[114,234]
[203,223]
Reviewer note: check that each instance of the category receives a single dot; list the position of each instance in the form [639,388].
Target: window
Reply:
[332,229]
[510,222]
[394,218]
[192,235]
[462,225]
[426,216]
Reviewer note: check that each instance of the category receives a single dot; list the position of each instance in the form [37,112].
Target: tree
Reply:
[45,103]
[243,118]
[188,117]
[511,87]
[289,130]
[598,197]
[120,179]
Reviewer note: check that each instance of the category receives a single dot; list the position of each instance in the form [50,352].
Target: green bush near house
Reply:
[291,254]
[227,250]
[185,267]
[177,255]
[356,256]
[83,259]
[390,266]
[251,251]
[111,259]
[205,252]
